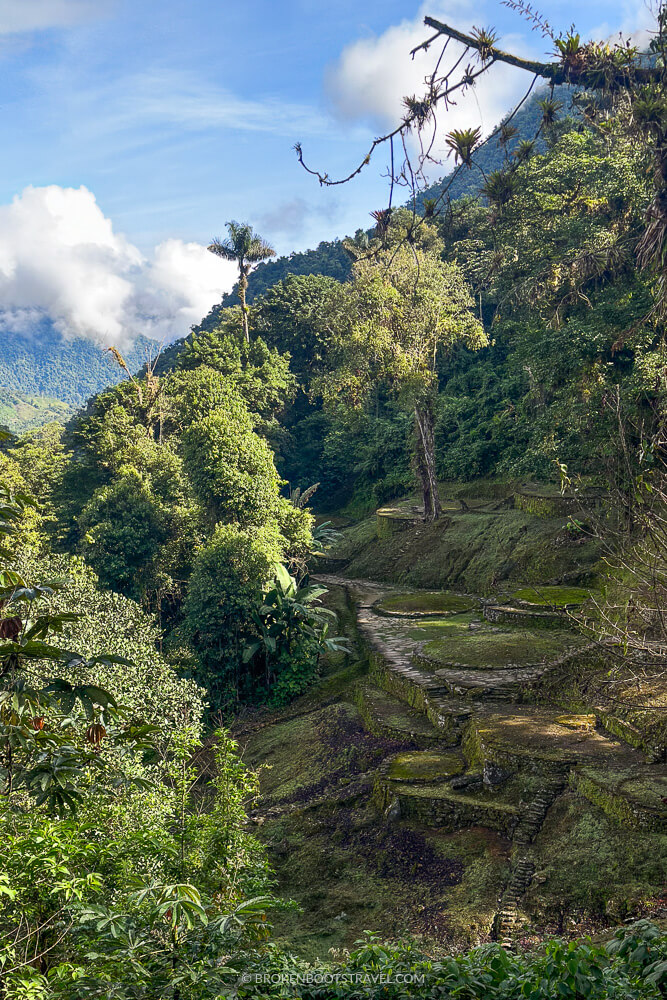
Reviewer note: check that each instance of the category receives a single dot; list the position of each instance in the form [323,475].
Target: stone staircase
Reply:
[508,920]
[534,815]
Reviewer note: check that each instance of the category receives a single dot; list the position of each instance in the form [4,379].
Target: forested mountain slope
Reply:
[23,411]
[43,363]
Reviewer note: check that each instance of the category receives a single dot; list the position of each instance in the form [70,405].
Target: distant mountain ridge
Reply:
[22,411]
[44,363]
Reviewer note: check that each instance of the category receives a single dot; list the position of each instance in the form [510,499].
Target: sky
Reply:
[134,129]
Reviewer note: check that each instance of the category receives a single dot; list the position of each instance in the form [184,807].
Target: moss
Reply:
[435,628]
[526,617]
[623,730]
[580,722]
[388,525]
[590,867]
[582,684]
[449,719]
[486,489]
[475,553]
[499,650]
[472,903]
[542,506]
[532,738]
[552,597]
[424,767]
[387,716]
[440,806]
[352,541]
[633,797]
[426,603]
[348,874]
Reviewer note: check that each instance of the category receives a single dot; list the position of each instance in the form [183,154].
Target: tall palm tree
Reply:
[247,249]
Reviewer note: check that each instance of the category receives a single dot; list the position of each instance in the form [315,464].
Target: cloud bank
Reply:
[60,258]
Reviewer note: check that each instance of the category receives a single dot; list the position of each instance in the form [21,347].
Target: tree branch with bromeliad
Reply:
[611,73]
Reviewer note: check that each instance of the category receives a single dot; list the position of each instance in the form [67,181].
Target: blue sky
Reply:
[178,116]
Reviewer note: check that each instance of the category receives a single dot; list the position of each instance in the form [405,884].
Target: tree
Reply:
[299,314]
[114,876]
[224,591]
[260,374]
[246,248]
[407,308]
[231,469]
[292,632]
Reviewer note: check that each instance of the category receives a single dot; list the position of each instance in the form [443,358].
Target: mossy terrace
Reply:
[468,552]
[473,762]
[552,597]
[423,604]
[507,649]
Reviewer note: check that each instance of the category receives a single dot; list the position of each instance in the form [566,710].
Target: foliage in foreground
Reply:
[633,966]
[127,869]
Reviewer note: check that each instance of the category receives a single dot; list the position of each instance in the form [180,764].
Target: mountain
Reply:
[44,364]
[21,411]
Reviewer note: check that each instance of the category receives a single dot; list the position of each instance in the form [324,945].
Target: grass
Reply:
[475,553]
[387,715]
[499,650]
[552,597]
[425,766]
[436,628]
[427,603]
[591,870]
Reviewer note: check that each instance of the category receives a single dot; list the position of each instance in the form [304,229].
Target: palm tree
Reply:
[246,248]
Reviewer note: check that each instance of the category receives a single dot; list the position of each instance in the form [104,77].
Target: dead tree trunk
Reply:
[425,461]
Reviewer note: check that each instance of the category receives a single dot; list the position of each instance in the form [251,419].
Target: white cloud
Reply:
[60,257]
[160,96]
[185,99]
[634,20]
[18,16]
[373,75]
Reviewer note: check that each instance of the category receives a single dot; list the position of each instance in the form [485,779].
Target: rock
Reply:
[494,775]
[393,811]
[465,781]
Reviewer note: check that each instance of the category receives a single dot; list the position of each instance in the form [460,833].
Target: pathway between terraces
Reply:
[452,677]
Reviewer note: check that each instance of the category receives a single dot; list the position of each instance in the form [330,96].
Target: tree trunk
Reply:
[243,284]
[425,461]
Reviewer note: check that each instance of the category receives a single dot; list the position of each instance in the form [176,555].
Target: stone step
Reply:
[424,693]
[389,717]
[508,918]
[488,685]
[634,796]
[438,805]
